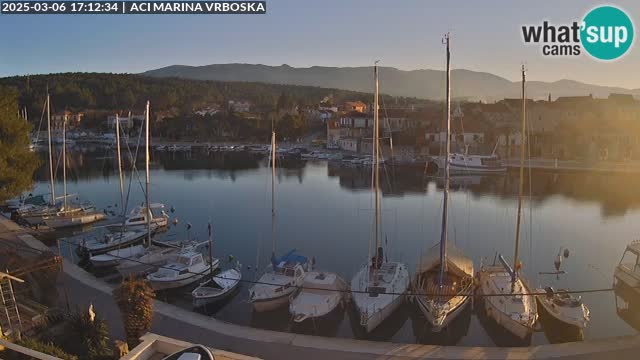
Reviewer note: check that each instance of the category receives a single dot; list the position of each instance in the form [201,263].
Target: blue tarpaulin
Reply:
[289,258]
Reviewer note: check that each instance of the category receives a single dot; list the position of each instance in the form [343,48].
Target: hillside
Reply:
[425,84]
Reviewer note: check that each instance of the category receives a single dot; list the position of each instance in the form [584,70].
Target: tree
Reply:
[135,300]
[17,163]
[86,334]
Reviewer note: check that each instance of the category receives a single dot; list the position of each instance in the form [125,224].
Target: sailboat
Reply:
[140,258]
[445,275]
[69,216]
[33,214]
[505,294]
[285,275]
[380,286]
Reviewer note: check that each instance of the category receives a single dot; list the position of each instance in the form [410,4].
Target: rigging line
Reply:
[44,109]
[472,294]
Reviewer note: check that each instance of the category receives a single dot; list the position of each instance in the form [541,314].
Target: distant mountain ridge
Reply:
[426,84]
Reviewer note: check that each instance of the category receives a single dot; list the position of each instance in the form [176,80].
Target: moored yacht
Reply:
[186,268]
[283,278]
[101,244]
[506,297]
[444,280]
[378,289]
[380,286]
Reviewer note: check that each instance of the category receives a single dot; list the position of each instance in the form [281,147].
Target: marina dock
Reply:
[630,167]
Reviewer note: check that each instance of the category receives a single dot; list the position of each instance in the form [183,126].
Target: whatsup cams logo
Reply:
[605,33]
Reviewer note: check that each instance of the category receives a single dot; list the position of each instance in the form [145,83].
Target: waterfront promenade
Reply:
[83,289]
[629,167]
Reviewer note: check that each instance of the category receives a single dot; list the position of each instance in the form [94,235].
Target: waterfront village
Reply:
[566,128]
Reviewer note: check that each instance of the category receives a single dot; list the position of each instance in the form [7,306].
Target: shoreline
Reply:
[172,321]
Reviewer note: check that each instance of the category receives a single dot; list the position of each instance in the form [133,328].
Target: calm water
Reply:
[325,211]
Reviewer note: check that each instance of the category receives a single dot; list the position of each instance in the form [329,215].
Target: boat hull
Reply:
[451,316]
[270,304]
[558,330]
[373,321]
[159,285]
[62,222]
[521,331]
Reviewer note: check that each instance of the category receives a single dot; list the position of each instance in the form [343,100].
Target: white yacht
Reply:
[148,260]
[101,244]
[508,299]
[322,293]
[380,286]
[114,257]
[283,278]
[378,292]
[515,312]
[467,163]
[186,268]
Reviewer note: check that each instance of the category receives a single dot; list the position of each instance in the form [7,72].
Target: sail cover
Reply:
[457,263]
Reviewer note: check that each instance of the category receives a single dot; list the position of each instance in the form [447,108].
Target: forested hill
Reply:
[104,91]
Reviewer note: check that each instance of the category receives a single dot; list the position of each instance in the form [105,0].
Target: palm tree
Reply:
[135,300]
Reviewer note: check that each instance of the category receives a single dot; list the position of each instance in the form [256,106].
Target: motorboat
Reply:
[100,244]
[508,302]
[441,304]
[186,268]
[149,260]
[627,274]
[470,163]
[283,278]
[217,288]
[562,311]
[196,352]
[321,295]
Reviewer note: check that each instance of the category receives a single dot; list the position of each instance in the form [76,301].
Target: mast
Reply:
[273,193]
[376,170]
[119,163]
[521,186]
[53,190]
[64,160]
[146,161]
[210,251]
[445,206]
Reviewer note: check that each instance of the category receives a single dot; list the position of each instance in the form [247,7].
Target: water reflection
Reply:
[324,210]
[614,193]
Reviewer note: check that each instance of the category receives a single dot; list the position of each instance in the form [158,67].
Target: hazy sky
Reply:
[486,36]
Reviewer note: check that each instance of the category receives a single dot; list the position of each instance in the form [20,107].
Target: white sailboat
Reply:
[70,216]
[507,299]
[380,286]
[285,275]
[148,257]
[445,275]
[33,214]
